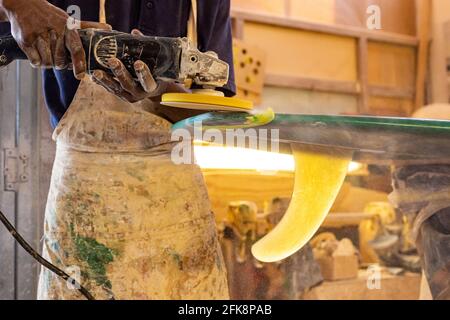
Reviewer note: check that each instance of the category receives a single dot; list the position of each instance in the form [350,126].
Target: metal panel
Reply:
[7,198]
[24,130]
[27,195]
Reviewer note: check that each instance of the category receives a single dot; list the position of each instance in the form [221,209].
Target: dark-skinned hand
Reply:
[122,83]
[41,31]
[125,87]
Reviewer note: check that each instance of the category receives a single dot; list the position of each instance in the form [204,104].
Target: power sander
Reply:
[169,59]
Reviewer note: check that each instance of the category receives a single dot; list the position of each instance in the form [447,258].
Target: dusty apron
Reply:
[120,216]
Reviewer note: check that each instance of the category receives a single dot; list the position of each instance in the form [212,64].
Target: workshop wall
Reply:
[26,156]
[330,62]
[398,15]
[291,100]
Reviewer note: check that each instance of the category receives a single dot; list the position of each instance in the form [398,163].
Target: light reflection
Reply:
[229,158]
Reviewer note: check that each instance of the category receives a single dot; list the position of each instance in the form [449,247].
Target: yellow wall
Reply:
[287,100]
[315,10]
[272,7]
[294,52]
[397,15]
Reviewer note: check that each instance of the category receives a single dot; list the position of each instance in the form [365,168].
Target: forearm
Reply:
[5,7]
[3,17]
[8,4]
[9,8]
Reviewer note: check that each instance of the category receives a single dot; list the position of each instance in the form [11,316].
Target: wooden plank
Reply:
[392,92]
[391,65]
[424,25]
[363,75]
[346,87]
[295,101]
[338,30]
[7,198]
[395,107]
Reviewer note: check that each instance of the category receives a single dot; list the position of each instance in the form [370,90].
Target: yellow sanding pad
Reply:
[205,102]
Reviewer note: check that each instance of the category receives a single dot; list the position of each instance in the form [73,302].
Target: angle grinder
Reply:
[169,59]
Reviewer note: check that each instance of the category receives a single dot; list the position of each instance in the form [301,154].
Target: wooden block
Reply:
[249,66]
[339,268]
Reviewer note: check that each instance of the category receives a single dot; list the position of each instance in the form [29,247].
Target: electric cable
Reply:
[26,246]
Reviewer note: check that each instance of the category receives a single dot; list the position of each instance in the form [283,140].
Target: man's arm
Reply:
[40,30]
[2,15]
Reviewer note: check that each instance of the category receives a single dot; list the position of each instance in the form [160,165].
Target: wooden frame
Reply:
[361,87]
[423,30]
[344,31]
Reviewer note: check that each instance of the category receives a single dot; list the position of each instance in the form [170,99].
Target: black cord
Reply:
[24,244]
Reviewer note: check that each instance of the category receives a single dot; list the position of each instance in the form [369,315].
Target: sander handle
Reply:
[10,51]
[162,55]
[169,59]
